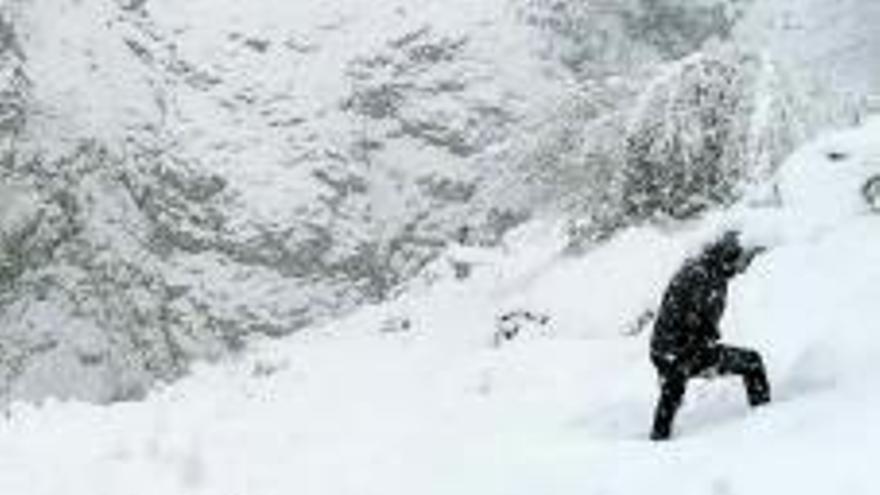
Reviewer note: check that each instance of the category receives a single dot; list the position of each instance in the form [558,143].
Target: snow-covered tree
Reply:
[688,145]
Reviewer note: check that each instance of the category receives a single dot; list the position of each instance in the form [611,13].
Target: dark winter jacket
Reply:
[687,321]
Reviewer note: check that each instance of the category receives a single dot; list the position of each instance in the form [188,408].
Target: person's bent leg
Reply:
[748,364]
[672,389]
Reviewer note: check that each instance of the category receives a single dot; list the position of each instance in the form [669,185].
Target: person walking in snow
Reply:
[685,340]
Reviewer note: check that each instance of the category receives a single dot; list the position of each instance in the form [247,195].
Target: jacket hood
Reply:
[725,255]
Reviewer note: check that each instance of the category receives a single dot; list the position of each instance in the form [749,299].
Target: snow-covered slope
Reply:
[834,41]
[207,170]
[203,171]
[195,173]
[370,405]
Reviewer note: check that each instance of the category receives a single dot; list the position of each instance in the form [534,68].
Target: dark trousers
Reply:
[717,359]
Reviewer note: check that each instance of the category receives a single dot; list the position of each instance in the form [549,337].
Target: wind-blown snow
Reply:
[364,407]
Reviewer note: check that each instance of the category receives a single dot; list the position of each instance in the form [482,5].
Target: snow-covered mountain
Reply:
[469,209]
[178,177]
[187,174]
[369,405]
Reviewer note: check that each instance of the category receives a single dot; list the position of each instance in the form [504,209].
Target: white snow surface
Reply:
[363,407]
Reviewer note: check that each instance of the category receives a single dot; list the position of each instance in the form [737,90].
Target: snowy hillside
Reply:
[833,42]
[182,176]
[181,179]
[203,171]
[370,405]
